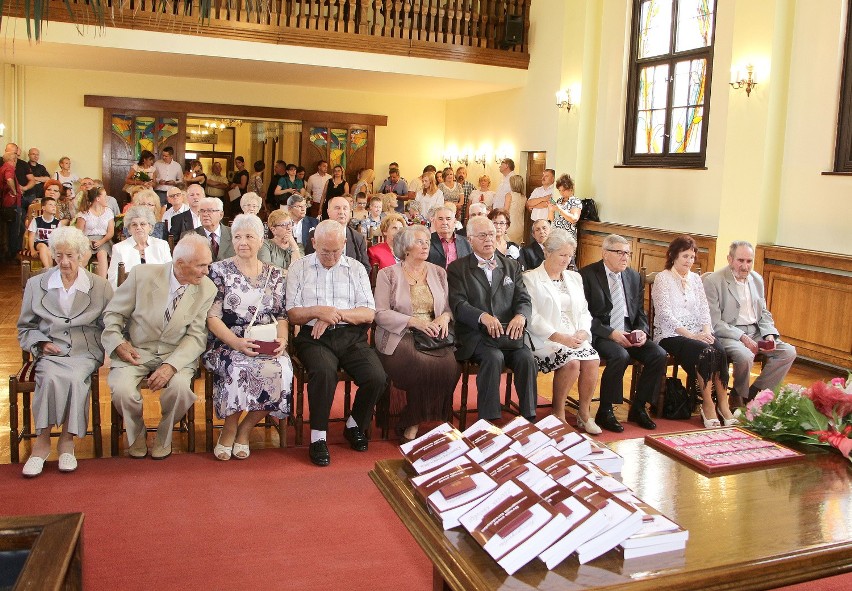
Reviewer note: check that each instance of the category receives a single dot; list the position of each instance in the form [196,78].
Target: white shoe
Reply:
[589,425]
[67,462]
[34,466]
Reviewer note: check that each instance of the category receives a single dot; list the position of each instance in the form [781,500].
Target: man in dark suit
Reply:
[620,332]
[446,245]
[218,235]
[488,297]
[356,245]
[532,255]
[190,219]
[303,225]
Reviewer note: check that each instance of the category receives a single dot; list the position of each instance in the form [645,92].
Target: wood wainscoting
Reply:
[648,245]
[810,296]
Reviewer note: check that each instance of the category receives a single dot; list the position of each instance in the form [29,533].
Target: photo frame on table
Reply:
[715,451]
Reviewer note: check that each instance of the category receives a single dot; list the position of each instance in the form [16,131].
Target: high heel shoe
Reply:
[589,426]
[222,452]
[727,422]
[709,423]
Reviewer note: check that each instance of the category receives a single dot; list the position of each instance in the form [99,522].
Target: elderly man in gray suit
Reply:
[218,235]
[489,300]
[744,326]
[155,327]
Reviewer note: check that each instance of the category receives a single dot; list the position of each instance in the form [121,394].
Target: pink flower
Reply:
[829,400]
[838,383]
[764,396]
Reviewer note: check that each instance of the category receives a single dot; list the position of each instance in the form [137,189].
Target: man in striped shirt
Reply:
[329,294]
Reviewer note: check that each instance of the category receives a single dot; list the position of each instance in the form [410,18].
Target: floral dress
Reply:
[241,382]
[560,355]
[567,205]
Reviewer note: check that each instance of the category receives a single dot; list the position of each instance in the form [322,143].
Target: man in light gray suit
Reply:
[218,235]
[155,327]
[741,321]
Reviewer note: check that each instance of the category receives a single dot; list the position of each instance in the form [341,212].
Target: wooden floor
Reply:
[10,362]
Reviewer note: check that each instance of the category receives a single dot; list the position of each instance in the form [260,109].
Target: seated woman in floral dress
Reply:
[245,380]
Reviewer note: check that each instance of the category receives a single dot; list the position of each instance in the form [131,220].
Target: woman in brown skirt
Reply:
[412,296]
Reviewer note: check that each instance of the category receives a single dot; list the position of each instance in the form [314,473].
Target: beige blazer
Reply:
[77,334]
[546,313]
[724,302]
[393,303]
[137,311]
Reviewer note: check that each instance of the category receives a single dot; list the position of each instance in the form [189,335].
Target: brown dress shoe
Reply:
[139,449]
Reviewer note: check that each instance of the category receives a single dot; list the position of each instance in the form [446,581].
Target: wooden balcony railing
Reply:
[472,31]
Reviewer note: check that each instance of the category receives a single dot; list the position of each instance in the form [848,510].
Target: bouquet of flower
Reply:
[819,415]
[141,175]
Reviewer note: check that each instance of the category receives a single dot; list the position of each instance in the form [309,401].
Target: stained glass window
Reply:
[337,154]
[669,82]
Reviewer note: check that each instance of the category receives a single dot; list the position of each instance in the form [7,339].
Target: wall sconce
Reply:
[498,157]
[563,100]
[480,159]
[463,158]
[739,81]
[447,158]
[2,129]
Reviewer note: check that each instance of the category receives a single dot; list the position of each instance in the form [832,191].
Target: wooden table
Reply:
[55,545]
[755,529]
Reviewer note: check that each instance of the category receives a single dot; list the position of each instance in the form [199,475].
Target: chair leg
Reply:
[116,423]
[96,416]
[464,392]
[190,429]
[14,441]
[300,400]
[208,412]
[28,429]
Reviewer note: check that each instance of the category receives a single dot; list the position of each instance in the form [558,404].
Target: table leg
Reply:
[438,582]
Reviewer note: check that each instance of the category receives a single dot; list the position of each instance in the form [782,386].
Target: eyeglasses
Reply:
[485,235]
[621,253]
[287,225]
[208,210]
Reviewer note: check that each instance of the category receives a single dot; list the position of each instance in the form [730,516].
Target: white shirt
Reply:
[217,232]
[316,185]
[297,231]
[345,286]
[167,172]
[427,202]
[541,213]
[500,194]
[746,316]
[488,272]
[170,213]
[66,296]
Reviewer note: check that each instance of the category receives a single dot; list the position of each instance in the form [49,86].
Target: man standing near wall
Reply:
[169,173]
[539,202]
[217,183]
[40,175]
[316,186]
[504,190]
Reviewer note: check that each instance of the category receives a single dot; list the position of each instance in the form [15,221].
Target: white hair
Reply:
[331,229]
[187,247]
[249,222]
[251,197]
[214,202]
[69,236]
[142,212]
[613,240]
[481,220]
[558,238]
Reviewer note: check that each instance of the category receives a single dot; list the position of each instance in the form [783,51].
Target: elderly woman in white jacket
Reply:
[140,247]
[561,327]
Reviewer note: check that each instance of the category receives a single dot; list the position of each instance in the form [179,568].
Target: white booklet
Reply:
[489,439]
[565,438]
[453,489]
[528,436]
[603,457]
[514,525]
[511,465]
[624,520]
[558,466]
[439,446]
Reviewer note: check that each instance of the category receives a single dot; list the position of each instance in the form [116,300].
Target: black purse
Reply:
[424,343]
[678,404]
[504,341]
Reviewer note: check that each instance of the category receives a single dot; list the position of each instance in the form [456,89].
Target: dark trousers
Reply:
[163,195]
[491,362]
[344,347]
[10,231]
[650,355]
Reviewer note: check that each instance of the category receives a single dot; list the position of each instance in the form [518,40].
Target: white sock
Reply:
[350,422]
[317,435]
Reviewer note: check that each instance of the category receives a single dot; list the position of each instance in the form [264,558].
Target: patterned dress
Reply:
[567,206]
[241,382]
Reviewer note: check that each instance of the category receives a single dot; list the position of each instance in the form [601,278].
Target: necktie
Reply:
[489,265]
[171,308]
[619,309]
[214,246]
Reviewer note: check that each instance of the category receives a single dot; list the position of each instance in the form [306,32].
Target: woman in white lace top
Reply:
[682,327]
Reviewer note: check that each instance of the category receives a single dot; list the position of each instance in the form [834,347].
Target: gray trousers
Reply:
[175,398]
[777,364]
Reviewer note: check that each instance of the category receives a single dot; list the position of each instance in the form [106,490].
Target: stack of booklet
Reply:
[530,491]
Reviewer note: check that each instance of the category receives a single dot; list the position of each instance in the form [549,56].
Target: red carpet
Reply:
[192,522]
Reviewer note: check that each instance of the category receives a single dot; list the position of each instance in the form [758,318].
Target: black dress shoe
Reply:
[319,453]
[639,415]
[356,438]
[606,420]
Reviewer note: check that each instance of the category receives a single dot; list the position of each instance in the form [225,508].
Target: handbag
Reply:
[678,404]
[589,211]
[264,333]
[504,341]
[423,342]
[234,194]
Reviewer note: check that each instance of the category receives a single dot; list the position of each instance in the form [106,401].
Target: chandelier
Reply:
[213,127]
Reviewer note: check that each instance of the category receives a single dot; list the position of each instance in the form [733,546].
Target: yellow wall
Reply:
[55,120]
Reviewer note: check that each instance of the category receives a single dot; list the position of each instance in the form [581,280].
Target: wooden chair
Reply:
[210,426]
[471,368]
[24,389]
[300,374]
[186,424]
